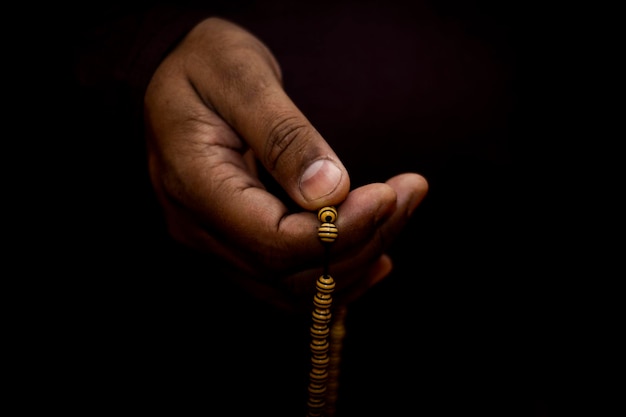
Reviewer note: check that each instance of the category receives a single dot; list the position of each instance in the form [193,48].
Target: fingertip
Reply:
[320,179]
[409,180]
[380,270]
[368,206]
[411,188]
[323,182]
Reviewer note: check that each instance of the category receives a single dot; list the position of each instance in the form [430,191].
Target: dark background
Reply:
[485,312]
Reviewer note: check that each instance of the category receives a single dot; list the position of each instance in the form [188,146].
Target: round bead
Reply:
[320,361]
[316,403]
[327,214]
[321,317]
[319,347]
[319,331]
[317,390]
[318,375]
[327,232]
[325,284]
[323,301]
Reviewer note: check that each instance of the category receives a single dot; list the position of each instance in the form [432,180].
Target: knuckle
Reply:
[287,136]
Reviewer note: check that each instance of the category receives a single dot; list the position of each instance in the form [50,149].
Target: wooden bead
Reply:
[322,300]
[327,214]
[318,375]
[321,315]
[323,376]
[327,232]
[316,404]
[319,347]
[317,390]
[325,284]
[321,331]
[320,361]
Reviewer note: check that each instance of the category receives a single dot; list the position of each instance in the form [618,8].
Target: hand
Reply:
[216,106]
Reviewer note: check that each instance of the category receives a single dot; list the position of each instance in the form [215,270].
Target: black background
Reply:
[491,308]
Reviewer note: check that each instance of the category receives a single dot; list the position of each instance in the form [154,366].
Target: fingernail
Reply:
[319,179]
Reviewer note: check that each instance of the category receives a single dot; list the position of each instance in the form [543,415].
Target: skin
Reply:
[215,111]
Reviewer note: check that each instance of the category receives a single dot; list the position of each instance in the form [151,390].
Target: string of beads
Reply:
[325,342]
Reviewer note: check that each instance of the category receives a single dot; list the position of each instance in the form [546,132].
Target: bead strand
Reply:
[320,327]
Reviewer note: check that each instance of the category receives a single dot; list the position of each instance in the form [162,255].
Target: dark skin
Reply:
[215,108]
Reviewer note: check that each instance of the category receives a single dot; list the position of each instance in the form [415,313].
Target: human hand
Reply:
[216,106]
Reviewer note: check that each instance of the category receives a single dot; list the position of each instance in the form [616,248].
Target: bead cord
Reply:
[326,337]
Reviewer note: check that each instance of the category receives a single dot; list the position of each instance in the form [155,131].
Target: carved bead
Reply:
[322,300]
[320,361]
[316,404]
[325,284]
[327,232]
[321,316]
[327,214]
[317,390]
[318,330]
[318,375]
[319,347]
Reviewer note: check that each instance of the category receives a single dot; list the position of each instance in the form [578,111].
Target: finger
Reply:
[244,87]
[367,223]
[284,298]
[350,283]
[374,214]
[207,183]
[377,272]
[411,189]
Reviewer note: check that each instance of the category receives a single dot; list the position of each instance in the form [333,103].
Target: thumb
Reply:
[245,89]
[298,157]
[291,149]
